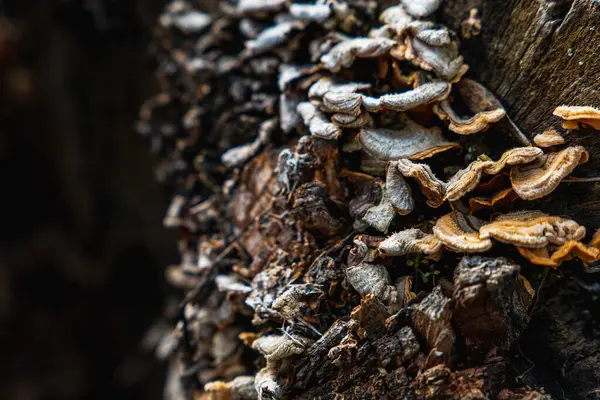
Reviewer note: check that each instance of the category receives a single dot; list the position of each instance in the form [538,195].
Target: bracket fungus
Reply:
[542,177]
[548,138]
[457,234]
[413,142]
[292,136]
[421,8]
[532,229]
[552,256]
[482,103]
[317,123]
[398,191]
[424,94]
[344,53]
[573,115]
[410,241]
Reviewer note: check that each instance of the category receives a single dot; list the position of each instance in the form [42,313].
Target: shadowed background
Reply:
[82,248]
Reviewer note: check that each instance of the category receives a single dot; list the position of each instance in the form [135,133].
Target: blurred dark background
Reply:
[82,247]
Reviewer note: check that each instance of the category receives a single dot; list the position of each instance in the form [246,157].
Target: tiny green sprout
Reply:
[423,267]
[484,157]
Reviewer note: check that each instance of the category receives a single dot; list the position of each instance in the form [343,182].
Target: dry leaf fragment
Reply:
[343,54]
[459,236]
[421,8]
[541,178]
[316,122]
[410,241]
[573,114]
[424,94]
[532,229]
[399,192]
[412,141]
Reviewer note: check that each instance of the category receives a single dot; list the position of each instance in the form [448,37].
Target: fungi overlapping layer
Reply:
[323,158]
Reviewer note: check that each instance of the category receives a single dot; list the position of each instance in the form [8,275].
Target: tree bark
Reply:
[537,55]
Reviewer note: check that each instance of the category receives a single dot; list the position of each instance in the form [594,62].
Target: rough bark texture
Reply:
[536,55]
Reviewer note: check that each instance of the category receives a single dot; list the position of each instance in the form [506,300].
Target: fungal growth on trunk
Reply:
[328,160]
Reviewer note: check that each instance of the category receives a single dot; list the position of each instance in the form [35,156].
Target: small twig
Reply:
[517,134]
[575,179]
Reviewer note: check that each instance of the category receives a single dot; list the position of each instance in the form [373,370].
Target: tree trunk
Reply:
[536,55]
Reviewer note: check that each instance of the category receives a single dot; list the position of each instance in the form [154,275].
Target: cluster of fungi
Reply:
[322,255]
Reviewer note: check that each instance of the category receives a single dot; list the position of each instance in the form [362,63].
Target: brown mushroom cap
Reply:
[541,178]
[458,236]
[532,229]
[549,138]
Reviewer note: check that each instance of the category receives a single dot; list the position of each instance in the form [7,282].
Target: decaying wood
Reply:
[296,242]
[491,302]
